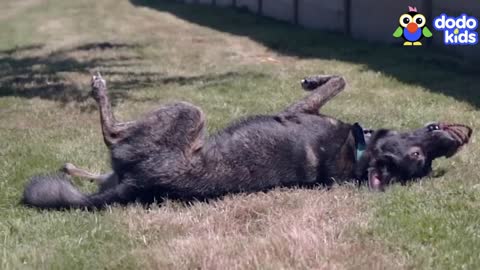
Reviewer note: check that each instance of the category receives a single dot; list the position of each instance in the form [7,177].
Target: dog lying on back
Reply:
[165,153]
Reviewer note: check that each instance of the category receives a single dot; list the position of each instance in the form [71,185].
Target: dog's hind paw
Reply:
[67,168]
[313,82]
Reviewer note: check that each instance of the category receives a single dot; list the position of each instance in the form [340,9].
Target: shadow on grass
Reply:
[27,72]
[423,66]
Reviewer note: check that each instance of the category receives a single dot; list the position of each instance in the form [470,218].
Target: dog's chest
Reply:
[311,164]
[329,160]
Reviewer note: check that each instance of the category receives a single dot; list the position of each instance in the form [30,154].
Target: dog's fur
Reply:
[165,153]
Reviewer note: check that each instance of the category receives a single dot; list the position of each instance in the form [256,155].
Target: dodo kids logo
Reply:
[457,30]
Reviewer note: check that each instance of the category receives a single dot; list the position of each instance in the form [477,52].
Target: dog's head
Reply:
[399,157]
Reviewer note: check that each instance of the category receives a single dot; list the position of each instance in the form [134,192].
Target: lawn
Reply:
[231,64]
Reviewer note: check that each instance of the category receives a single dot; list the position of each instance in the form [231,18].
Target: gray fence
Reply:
[371,20]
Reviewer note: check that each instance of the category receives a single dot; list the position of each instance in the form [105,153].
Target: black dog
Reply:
[165,154]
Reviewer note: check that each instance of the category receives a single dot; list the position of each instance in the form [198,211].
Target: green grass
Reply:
[436,225]
[231,64]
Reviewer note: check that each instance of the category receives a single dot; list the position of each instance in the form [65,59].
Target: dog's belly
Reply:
[264,152]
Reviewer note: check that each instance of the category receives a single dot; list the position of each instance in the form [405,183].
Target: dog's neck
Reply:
[348,156]
[360,141]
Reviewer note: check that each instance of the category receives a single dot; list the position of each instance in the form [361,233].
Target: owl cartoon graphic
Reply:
[412,28]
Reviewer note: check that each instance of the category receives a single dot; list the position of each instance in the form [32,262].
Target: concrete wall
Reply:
[252,5]
[283,10]
[454,8]
[371,20]
[224,3]
[322,14]
[375,20]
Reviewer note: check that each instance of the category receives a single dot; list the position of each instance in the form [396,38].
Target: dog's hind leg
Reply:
[112,130]
[104,181]
[73,170]
[323,87]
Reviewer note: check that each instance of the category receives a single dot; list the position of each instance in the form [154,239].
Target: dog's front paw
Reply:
[99,85]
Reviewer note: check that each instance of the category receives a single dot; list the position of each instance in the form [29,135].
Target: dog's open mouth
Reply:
[375,180]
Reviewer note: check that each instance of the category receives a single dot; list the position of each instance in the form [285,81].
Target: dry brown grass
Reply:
[282,229]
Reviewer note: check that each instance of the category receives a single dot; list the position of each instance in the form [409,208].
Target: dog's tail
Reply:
[56,191]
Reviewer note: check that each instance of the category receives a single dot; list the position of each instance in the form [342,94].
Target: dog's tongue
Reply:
[375,180]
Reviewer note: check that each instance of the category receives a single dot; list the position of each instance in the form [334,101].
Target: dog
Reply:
[165,154]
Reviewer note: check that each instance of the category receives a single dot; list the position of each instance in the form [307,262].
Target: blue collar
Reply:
[360,144]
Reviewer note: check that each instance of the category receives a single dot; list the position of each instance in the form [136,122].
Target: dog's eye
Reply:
[433,127]
[416,155]
[415,152]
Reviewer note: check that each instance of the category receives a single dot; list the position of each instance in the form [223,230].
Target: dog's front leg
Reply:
[323,87]
[112,130]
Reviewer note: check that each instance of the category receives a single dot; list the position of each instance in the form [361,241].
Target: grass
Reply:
[231,64]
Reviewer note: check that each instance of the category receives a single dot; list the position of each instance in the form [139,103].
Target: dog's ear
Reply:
[380,134]
[386,160]
[379,171]
[365,162]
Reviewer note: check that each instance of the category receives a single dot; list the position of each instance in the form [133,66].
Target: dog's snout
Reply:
[462,133]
